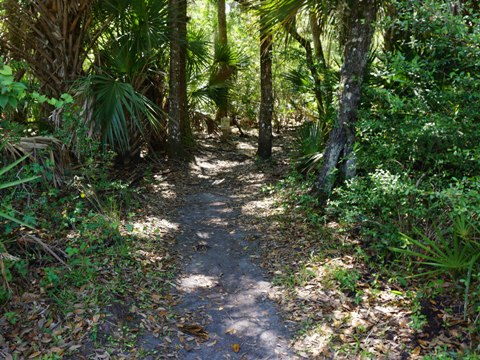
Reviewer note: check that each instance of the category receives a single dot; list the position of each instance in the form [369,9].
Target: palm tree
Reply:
[126,72]
[223,71]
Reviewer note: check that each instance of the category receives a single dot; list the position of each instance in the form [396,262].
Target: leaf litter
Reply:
[373,319]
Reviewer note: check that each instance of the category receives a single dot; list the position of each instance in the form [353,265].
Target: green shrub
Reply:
[423,102]
[384,204]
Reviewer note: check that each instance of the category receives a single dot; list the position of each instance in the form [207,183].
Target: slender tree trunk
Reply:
[266,102]
[317,41]
[325,85]
[224,72]
[342,138]
[178,123]
[316,64]
[222,22]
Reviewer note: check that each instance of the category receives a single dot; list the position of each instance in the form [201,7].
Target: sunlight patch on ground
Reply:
[203,235]
[147,257]
[246,146]
[317,342]
[154,225]
[218,221]
[259,208]
[197,281]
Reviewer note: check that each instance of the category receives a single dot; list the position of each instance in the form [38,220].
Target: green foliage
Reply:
[456,254]
[424,98]
[118,110]
[125,95]
[310,141]
[419,130]
[7,261]
[380,204]
[5,212]
[226,62]
[291,279]
[11,91]
[12,317]
[418,144]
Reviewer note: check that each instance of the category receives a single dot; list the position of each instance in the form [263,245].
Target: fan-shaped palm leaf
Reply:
[117,109]
[198,52]
[310,140]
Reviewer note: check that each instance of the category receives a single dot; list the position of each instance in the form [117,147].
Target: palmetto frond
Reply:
[132,48]
[278,14]
[117,110]
[300,80]
[198,52]
[141,24]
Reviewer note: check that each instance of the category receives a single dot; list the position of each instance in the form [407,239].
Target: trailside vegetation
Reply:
[375,104]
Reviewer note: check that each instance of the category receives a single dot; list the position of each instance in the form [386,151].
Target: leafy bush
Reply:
[11,91]
[419,130]
[424,98]
[384,204]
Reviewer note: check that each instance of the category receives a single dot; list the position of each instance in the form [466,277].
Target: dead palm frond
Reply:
[45,150]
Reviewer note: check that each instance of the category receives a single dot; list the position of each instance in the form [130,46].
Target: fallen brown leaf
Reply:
[195,330]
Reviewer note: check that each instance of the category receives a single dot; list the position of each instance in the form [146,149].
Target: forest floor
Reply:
[214,265]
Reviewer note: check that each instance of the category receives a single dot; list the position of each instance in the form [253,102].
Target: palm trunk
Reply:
[178,123]
[266,102]
[341,139]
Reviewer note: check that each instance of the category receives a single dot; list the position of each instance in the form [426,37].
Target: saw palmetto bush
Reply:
[121,97]
[226,61]
[118,112]
[310,141]
[456,253]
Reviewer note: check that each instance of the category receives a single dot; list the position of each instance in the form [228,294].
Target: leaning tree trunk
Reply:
[266,101]
[178,122]
[341,140]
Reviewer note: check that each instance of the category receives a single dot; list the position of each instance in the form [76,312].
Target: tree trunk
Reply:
[305,43]
[178,123]
[224,72]
[222,22]
[266,101]
[341,140]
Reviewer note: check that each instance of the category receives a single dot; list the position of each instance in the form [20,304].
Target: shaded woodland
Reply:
[346,131]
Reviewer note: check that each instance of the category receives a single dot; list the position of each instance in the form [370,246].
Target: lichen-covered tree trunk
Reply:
[178,122]
[266,101]
[341,140]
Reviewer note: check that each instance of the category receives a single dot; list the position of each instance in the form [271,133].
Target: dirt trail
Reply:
[221,289]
